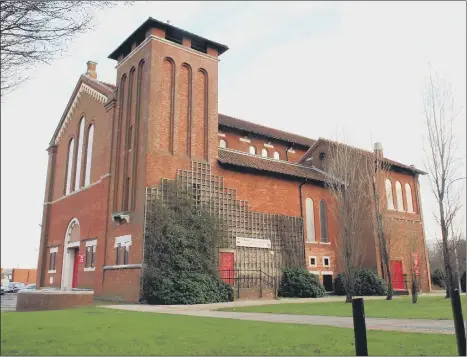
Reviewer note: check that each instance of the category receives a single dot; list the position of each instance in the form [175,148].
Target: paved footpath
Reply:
[208,310]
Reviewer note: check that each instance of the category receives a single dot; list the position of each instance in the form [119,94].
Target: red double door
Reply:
[397,275]
[226,267]
[74,282]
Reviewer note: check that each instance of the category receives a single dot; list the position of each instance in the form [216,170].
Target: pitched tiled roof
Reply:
[231,122]
[363,152]
[241,159]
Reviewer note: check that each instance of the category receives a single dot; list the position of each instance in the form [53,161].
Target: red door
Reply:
[226,267]
[74,282]
[397,275]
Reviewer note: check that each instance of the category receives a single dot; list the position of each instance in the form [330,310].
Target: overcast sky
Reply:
[311,68]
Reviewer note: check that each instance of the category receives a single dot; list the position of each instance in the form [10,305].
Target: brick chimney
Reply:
[91,70]
[378,147]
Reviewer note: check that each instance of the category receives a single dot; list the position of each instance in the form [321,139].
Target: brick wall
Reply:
[233,138]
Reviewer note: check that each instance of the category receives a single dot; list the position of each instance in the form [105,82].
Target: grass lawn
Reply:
[98,331]
[427,307]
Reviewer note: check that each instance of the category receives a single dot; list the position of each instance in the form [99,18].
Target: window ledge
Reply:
[52,271]
[327,243]
[315,242]
[127,266]
[90,269]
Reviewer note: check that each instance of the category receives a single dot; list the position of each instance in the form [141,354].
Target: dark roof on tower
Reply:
[250,127]
[139,35]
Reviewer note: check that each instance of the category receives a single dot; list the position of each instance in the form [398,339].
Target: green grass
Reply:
[98,331]
[427,307]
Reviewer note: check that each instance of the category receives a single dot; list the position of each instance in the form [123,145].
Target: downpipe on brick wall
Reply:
[301,215]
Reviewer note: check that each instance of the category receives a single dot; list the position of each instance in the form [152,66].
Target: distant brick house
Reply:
[116,146]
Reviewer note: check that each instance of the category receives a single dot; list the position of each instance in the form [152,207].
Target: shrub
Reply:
[367,283]
[300,283]
[181,253]
[437,278]
[463,282]
[339,285]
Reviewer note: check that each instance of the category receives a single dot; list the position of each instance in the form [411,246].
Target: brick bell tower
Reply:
[166,112]
[164,115]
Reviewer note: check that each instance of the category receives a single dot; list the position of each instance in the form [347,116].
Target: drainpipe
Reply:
[287,152]
[301,215]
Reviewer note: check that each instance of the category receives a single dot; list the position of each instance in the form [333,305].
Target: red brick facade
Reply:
[161,117]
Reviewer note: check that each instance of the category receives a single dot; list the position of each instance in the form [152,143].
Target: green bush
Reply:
[367,283]
[463,282]
[339,285]
[300,283]
[438,278]
[181,253]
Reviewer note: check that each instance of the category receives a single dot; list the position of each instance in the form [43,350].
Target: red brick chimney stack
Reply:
[91,71]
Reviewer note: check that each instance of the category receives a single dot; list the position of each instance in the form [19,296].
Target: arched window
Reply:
[276,155]
[408,197]
[264,153]
[310,220]
[222,143]
[389,197]
[323,220]
[252,150]
[87,176]
[400,200]
[79,154]
[71,150]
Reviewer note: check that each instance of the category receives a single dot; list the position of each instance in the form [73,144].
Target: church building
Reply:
[116,146]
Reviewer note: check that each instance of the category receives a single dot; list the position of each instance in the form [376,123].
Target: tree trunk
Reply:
[447,262]
[414,290]
[383,251]
[348,299]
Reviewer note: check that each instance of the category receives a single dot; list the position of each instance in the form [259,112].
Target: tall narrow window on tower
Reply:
[71,149]
[323,222]
[79,154]
[310,220]
[389,197]
[90,140]
[408,197]
[400,199]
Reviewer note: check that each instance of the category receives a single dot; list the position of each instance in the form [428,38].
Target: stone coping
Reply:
[58,292]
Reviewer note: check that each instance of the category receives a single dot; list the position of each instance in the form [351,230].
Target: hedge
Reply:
[299,283]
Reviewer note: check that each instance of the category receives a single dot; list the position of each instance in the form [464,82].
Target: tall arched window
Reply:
[79,154]
[222,143]
[87,176]
[400,199]
[71,150]
[264,153]
[276,155]
[252,150]
[408,197]
[310,220]
[389,197]
[323,220]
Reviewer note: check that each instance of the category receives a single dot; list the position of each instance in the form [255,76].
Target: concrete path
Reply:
[208,310]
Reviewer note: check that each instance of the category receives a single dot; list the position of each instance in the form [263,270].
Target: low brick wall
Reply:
[52,300]
[254,294]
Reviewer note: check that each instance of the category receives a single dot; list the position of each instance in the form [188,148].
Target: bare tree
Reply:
[414,267]
[442,162]
[379,169]
[34,32]
[348,178]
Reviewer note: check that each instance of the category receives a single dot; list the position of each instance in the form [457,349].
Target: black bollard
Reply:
[458,322]
[359,327]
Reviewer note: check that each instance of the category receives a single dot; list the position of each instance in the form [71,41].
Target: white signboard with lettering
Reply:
[253,243]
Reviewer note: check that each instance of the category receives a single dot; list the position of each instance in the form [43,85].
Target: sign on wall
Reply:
[81,258]
[253,243]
